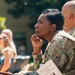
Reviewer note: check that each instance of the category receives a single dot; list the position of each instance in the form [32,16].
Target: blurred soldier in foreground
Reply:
[68,11]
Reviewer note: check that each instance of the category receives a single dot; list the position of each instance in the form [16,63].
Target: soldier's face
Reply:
[42,27]
[68,18]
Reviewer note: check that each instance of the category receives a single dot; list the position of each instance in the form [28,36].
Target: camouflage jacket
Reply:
[72,32]
[61,51]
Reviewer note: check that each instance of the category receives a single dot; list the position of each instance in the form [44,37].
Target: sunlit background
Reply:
[21,15]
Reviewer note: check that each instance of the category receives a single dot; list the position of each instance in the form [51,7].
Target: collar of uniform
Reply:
[72,30]
[55,34]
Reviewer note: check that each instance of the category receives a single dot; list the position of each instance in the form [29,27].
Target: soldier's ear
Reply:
[53,27]
[72,16]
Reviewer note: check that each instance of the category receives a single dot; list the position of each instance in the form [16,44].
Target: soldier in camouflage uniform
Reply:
[61,45]
[68,11]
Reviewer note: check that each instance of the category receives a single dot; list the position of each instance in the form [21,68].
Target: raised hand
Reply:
[36,43]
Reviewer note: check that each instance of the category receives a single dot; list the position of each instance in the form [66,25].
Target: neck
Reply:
[50,36]
[68,29]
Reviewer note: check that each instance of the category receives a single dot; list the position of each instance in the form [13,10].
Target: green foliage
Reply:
[32,8]
[2,22]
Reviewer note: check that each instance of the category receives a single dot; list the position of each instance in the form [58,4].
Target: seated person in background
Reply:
[20,60]
[22,49]
[9,34]
[7,51]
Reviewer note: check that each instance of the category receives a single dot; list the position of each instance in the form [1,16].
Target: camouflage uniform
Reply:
[72,62]
[61,51]
[72,32]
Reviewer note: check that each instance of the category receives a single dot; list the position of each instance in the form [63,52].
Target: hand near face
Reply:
[36,43]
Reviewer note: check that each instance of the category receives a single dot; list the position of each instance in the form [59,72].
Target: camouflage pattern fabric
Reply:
[61,51]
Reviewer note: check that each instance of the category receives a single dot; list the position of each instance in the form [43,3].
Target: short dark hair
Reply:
[55,17]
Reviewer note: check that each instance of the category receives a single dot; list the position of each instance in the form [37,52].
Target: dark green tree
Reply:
[32,8]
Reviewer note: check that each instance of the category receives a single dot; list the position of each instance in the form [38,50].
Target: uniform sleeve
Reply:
[72,66]
[70,73]
[37,61]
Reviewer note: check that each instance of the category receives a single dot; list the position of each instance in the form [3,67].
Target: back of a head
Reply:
[55,17]
[70,5]
[7,32]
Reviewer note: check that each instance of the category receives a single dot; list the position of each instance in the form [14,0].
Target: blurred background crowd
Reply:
[20,16]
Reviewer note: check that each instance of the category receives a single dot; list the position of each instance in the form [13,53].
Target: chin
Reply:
[40,36]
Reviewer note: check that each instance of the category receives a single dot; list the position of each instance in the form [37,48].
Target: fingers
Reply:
[35,37]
